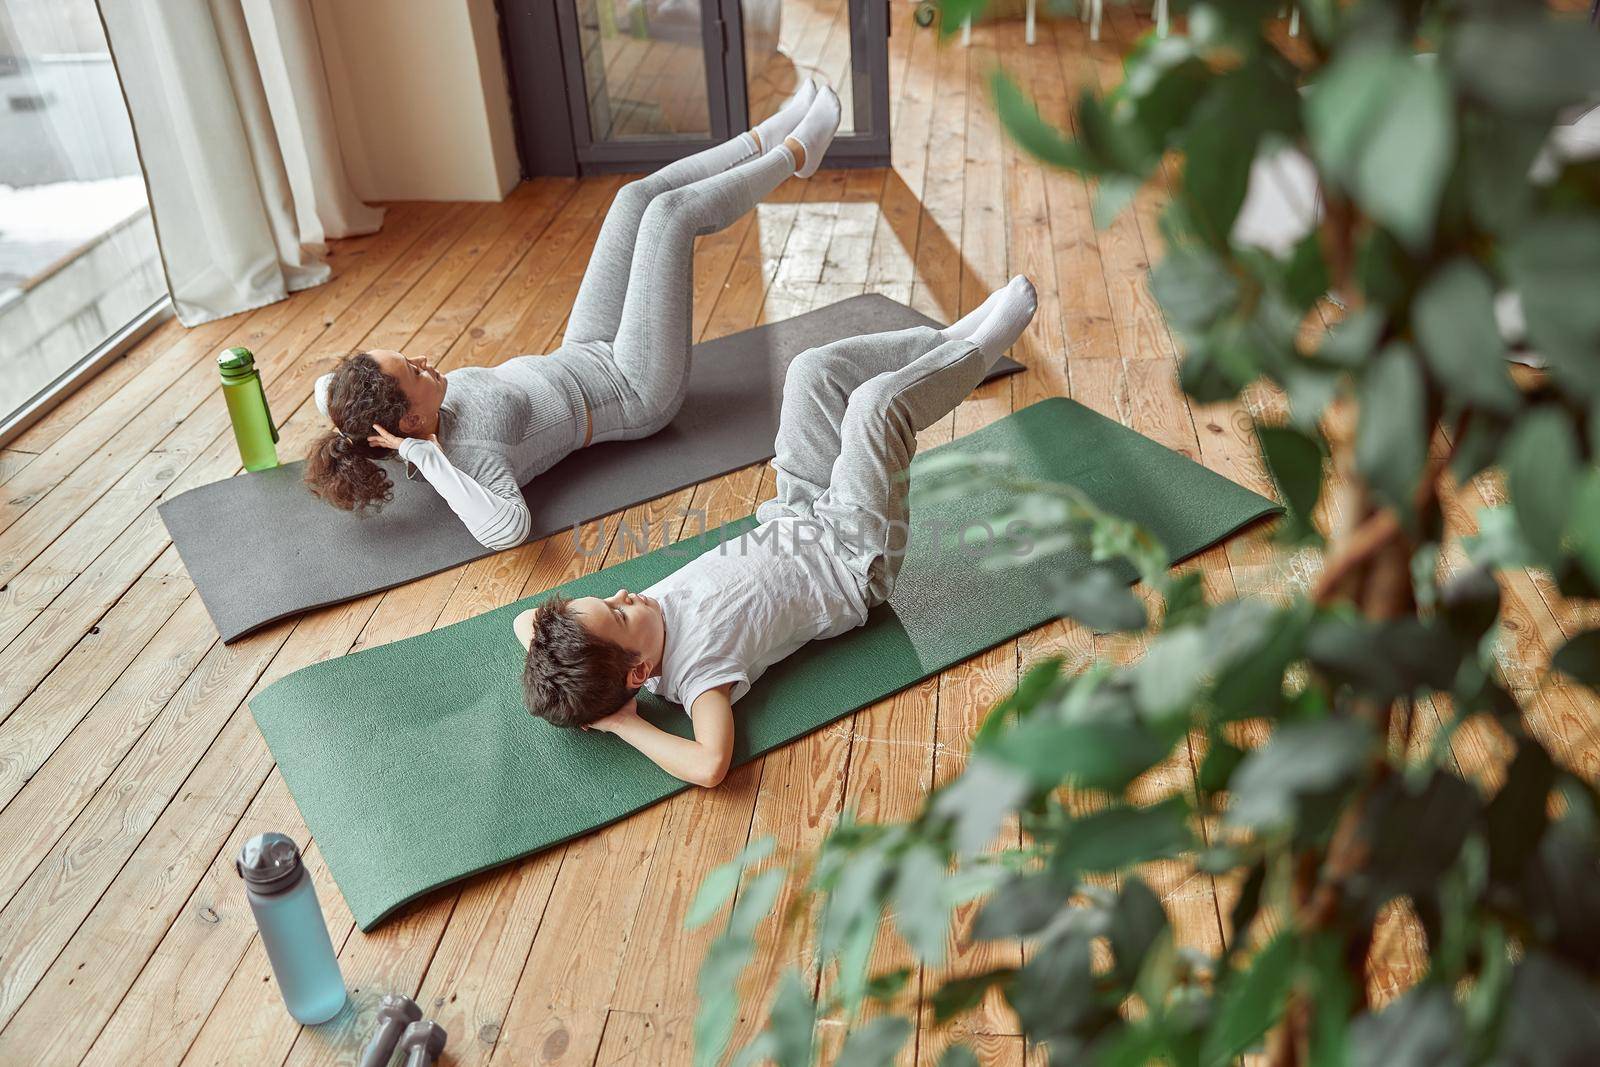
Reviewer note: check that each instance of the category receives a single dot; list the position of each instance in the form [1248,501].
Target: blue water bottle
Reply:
[292,928]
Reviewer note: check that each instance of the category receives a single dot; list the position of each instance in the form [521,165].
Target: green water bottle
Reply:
[247,407]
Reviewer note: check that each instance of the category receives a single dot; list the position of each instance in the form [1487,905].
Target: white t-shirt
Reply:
[746,604]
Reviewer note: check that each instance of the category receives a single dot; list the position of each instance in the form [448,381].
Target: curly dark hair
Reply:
[341,467]
[572,677]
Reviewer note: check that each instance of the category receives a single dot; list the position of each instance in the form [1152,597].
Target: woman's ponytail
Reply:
[342,467]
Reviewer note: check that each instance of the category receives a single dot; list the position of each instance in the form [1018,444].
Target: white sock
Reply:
[815,131]
[770,131]
[1008,318]
[964,326]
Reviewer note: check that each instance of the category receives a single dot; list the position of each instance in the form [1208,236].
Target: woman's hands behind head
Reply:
[382,438]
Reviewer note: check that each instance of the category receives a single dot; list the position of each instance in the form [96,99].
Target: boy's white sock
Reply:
[770,131]
[963,327]
[816,129]
[1007,319]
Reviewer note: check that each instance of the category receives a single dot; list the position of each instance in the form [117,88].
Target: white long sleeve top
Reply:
[499,427]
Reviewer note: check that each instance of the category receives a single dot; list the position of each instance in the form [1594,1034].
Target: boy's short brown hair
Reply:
[571,676]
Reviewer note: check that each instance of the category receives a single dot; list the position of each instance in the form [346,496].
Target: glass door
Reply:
[649,81]
[844,42]
[645,79]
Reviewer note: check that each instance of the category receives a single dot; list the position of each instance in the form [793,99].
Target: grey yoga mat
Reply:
[261,548]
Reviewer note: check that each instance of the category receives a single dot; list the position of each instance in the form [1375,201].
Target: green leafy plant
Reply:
[1325,791]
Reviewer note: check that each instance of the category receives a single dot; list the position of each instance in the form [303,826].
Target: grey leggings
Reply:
[848,431]
[631,323]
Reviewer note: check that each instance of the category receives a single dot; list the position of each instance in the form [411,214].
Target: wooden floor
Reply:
[130,769]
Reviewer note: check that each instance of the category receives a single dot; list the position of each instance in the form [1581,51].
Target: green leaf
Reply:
[885,987]
[1559,889]
[1099,597]
[1383,125]
[1552,260]
[1138,923]
[1420,1029]
[1300,759]
[1454,320]
[1409,154]
[1387,659]
[1222,759]
[978,802]
[1352,340]
[1055,989]
[957,996]
[1093,755]
[1254,648]
[1414,835]
[875,1044]
[1186,600]
[1579,658]
[1112,194]
[1498,544]
[921,914]
[856,900]
[1542,471]
[1250,1003]
[1247,906]
[1527,65]
[1118,837]
[1193,288]
[787,1038]
[1471,603]
[1344,104]
[1037,683]
[1305,278]
[1583,526]
[793,1022]
[1218,151]
[725,960]
[1022,906]
[1332,998]
[719,885]
[958,1056]
[1497,153]
[1163,79]
[1520,812]
[1295,462]
[1167,681]
[1392,439]
[1036,136]
[1114,140]
[1552,1017]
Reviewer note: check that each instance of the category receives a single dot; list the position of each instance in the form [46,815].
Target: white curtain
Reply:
[230,110]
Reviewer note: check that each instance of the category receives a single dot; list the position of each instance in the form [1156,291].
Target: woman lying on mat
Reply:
[827,551]
[480,433]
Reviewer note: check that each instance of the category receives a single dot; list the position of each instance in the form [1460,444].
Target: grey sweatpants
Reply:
[848,431]
[631,323]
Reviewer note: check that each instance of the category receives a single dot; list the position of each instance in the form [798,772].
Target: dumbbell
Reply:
[421,1043]
[396,1012]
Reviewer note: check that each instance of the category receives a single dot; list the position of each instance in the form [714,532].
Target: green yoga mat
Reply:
[415,765]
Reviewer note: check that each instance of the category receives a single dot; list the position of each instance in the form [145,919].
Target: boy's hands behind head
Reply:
[617,719]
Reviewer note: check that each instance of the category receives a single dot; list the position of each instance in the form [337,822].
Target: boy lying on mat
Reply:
[825,553]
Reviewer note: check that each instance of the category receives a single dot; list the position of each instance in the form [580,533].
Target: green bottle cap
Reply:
[235,360]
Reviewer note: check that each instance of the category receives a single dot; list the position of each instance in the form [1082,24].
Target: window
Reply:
[78,258]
